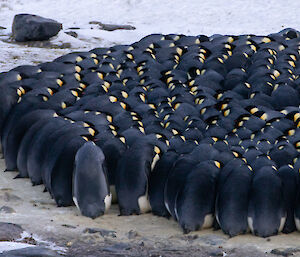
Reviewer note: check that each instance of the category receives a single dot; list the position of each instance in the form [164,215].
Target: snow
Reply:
[189,17]
[7,246]
[157,16]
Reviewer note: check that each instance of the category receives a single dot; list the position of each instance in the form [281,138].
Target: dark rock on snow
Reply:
[31,252]
[102,232]
[6,209]
[28,27]
[10,231]
[112,27]
[72,34]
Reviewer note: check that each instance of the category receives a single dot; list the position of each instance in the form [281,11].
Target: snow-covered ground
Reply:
[148,16]
[159,16]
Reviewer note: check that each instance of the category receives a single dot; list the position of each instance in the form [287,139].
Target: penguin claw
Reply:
[186,231]
[35,183]
[189,228]
[6,170]
[18,176]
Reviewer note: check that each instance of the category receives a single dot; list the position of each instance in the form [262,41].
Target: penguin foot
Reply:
[35,183]
[6,170]
[164,214]
[127,212]
[188,228]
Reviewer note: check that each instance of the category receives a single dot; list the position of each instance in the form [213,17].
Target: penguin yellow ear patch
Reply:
[176,106]
[179,51]
[77,76]
[48,89]
[254,110]
[19,77]
[266,40]
[235,154]
[157,150]
[142,97]
[123,140]
[19,92]
[218,164]
[123,105]
[142,130]
[78,59]
[74,93]
[152,106]
[105,88]
[291,132]
[113,99]
[175,132]
[60,82]
[264,116]
[296,116]
[124,94]
[92,131]
[85,138]
[109,118]
[226,113]
[63,105]
[183,138]
[215,139]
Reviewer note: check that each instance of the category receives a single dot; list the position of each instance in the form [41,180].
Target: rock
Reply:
[285,252]
[132,234]
[212,239]
[72,34]
[31,252]
[2,27]
[112,27]
[117,247]
[8,197]
[7,209]
[68,226]
[216,252]
[28,27]
[103,232]
[10,231]
[29,240]
[74,28]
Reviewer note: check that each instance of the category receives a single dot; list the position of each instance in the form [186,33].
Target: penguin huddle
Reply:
[203,129]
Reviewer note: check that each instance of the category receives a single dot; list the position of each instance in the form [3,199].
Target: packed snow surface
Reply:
[190,17]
